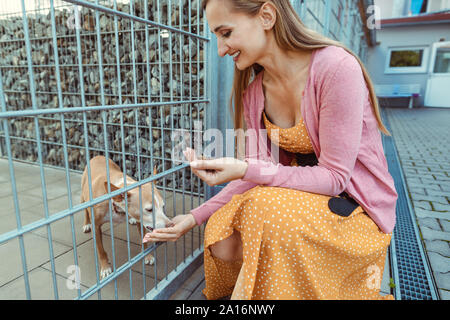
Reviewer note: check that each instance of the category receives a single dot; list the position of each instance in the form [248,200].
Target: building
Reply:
[413,48]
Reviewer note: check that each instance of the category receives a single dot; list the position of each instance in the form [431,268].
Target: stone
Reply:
[430,234]
[445,294]
[445,224]
[431,223]
[439,263]
[438,246]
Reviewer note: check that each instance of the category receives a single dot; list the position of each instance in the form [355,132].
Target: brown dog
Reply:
[101,210]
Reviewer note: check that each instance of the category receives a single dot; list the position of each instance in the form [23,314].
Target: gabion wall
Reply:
[146,77]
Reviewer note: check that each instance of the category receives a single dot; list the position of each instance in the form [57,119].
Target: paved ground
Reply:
[422,138]
[130,284]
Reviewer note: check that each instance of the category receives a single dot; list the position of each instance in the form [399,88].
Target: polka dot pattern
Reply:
[293,139]
[294,247]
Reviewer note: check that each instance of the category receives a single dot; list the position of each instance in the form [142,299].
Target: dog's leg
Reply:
[149,259]
[105,269]
[87,218]
[87,221]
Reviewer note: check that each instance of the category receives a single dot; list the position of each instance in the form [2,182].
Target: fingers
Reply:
[209,176]
[207,169]
[160,237]
[190,154]
[164,234]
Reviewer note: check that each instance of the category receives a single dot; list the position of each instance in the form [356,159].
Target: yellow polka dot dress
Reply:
[294,246]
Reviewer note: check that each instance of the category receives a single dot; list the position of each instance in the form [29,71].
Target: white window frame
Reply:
[422,69]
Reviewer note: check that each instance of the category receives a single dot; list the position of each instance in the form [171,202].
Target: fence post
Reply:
[220,73]
[326,25]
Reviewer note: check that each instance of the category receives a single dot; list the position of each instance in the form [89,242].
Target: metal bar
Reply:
[86,145]
[126,266]
[74,65]
[62,214]
[89,122]
[171,119]
[162,124]
[38,138]
[24,113]
[176,278]
[136,119]
[63,131]
[105,139]
[326,25]
[198,110]
[149,90]
[180,19]
[131,17]
[124,170]
[14,191]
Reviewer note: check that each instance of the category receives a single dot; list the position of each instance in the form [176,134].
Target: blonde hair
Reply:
[290,34]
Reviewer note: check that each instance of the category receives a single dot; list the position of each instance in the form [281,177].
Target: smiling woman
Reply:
[314,222]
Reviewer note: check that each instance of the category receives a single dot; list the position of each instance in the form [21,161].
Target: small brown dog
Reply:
[101,210]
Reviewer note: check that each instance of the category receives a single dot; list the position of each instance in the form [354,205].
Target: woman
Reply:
[317,223]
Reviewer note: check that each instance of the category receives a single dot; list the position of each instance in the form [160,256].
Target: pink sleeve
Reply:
[340,128]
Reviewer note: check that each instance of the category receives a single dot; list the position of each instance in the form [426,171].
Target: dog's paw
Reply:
[87,228]
[132,221]
[150,260]
[105,272]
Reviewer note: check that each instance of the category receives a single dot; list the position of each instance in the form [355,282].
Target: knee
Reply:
[224,255]
[228,250]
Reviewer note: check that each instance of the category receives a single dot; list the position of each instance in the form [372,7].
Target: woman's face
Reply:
[236,33]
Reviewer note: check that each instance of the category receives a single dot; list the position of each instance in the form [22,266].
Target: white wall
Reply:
[404,36]
[438,5]
[398,8]
[393,8]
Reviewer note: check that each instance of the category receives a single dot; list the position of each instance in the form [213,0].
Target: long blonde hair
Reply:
[290,34]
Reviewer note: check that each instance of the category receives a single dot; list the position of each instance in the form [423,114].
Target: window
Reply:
[442,62]
[407,60]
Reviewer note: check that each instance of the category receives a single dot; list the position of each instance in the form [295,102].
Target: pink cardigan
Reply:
[343,130]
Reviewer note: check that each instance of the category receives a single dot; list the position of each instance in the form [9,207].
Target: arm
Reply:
[204,211]
[340,130]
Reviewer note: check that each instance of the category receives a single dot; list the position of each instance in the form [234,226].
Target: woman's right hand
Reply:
[182,224]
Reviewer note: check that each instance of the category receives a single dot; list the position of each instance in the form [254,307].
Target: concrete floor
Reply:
[37,252]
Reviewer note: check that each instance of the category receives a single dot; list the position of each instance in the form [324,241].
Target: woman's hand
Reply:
[216,171]
[181,225]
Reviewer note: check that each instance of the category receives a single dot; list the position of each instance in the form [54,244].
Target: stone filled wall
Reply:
[150,79]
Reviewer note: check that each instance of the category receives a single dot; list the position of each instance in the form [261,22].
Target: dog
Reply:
[101,210]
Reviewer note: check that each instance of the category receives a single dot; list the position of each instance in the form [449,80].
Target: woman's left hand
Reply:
[218,171]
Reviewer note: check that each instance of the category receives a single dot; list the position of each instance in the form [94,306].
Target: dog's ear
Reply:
[118,198]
